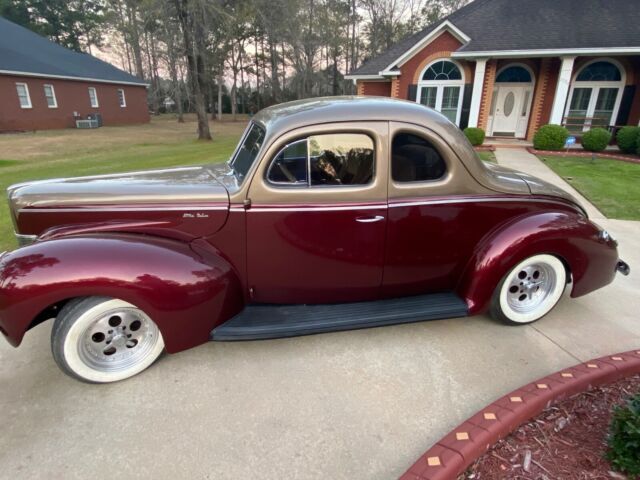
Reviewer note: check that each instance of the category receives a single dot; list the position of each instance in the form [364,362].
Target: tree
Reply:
[193,32]
[75,24]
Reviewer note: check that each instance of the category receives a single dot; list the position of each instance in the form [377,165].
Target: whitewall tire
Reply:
[103,340]
[530,290]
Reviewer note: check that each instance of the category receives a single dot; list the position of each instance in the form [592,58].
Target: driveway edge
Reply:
[457,450]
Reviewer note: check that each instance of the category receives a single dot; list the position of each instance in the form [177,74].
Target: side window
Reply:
[414,159]
[341,159]
[332,159]
[290,165]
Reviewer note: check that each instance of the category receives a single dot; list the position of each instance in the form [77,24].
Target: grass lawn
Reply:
[611,185]
[487,156]
[66,153]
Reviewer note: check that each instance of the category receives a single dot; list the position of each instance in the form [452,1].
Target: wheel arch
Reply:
[186,291]
[572,238]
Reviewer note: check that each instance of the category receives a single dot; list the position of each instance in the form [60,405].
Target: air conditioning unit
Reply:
[87,124]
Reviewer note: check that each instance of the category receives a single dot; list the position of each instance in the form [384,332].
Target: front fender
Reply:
[590,259]
[186,291]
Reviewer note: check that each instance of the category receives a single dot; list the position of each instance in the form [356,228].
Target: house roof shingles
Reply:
[531,25]
[23,51]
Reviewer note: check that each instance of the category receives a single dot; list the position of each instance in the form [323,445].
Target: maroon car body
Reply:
[194,247]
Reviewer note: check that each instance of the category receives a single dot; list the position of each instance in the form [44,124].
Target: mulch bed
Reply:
[581,153]
[567,441]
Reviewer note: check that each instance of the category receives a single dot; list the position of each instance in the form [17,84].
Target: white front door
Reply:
[507,109]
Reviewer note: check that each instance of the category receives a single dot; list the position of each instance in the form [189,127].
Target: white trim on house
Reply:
[426,40]
[550,52]
[26,93]
[93,97]
[53,95]
[595,87]
[364,77]
[562,90]
[66,77]
[476,95]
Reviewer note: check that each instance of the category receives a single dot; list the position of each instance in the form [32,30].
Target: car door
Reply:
[431,227]
[317,216]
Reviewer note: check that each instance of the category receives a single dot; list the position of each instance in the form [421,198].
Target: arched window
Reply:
[441,87]
[595,96]
[599,72]
[514,74]
[442,70]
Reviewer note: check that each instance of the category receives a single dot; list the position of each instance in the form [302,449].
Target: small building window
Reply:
[50,95]
[23,95]
[414,159]
[121,98]
[93,97]
[324,160]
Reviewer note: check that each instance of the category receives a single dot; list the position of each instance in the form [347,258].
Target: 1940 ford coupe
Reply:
[332,214]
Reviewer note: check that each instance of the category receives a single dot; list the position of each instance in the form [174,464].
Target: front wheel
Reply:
[530,290]
[103,340]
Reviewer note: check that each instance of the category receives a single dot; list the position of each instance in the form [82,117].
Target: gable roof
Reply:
[518,26]
[23,52]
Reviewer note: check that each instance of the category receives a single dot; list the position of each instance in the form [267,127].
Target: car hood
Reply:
[181,203]
[177,186]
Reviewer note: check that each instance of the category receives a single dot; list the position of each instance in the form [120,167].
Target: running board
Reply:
[257,322]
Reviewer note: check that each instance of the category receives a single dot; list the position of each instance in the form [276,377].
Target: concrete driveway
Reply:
[362,404]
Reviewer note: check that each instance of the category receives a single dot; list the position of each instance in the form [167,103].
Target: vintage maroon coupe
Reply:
[332,214]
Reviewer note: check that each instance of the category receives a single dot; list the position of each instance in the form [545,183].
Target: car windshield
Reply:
[248,151]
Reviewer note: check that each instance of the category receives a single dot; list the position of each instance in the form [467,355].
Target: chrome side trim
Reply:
[257,208]
[474,200]
[110,208]
[24,240]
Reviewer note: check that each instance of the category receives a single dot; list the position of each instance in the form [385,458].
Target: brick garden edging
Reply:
[457,450]
[581,153]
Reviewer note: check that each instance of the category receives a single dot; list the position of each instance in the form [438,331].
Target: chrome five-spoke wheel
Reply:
[103,340]
[530,290]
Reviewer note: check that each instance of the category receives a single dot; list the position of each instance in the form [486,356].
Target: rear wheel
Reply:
[102,340]
[530,290]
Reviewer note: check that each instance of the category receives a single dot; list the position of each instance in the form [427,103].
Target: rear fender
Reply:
[590,260]
[186,291]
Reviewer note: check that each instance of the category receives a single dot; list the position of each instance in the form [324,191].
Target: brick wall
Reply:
[380,89]
[72,96]
[487,93]
[440,47]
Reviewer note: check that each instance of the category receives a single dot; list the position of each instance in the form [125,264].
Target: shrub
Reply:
[596,139]
[475,135]
[627,138]
[550,137]
[638,149]
[624,438]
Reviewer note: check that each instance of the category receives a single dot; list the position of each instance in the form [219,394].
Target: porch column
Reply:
[562,90]
[476,96]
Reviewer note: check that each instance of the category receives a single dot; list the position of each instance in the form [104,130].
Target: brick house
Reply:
[510,66]
[44,85]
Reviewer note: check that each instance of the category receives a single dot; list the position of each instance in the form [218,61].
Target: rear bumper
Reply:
[623,268]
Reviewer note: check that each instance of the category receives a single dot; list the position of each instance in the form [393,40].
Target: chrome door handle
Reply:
[377,218]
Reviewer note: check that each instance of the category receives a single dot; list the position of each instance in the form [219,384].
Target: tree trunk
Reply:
[220,85]
[132,16]
[194,64]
